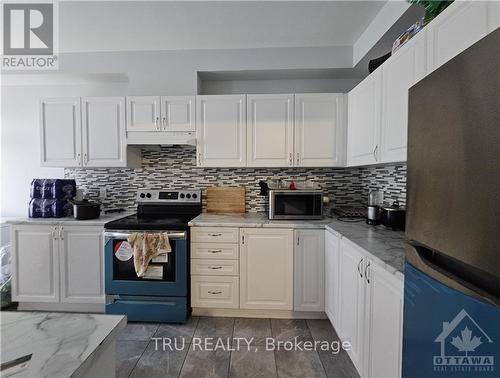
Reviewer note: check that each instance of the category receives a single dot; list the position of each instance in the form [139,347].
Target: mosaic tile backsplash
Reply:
[175,168]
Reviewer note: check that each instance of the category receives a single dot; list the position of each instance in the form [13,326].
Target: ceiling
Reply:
[170,25]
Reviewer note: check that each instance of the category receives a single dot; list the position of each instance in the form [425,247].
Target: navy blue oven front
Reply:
[161,296]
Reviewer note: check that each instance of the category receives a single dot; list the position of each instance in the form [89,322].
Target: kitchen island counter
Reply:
[62,345]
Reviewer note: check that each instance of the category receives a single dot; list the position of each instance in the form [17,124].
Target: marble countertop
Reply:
[385,245]
[61,343]
[70,221]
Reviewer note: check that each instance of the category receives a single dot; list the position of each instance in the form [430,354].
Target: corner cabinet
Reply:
[221,131]
[266,269]
[320,126]
[57,264]
[85,132]
[363,131]
[309,272]
[270,130]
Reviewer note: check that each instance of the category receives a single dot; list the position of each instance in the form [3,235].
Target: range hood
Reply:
[167,138]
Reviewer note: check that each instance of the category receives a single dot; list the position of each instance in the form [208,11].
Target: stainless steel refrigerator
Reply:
[452,273]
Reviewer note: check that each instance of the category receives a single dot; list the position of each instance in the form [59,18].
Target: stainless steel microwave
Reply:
[295,204]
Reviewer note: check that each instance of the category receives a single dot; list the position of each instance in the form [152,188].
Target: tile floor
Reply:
[138,357]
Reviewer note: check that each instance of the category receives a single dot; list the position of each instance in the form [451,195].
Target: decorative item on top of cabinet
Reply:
[86,132]
[309,271]
[270,130]
[221,131]
[363,131]
[262,285]
[320,129]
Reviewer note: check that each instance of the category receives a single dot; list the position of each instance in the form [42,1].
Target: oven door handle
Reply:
[123,235]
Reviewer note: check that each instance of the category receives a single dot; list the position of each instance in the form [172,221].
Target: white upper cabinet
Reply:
[60,132]
[143,113]
[266,269]
[177,113]
[320,123]
[332,281]
[460,25]
[104,132]
[399,73]
[35,263]
[221,130]
[363,133]
[309,271]
[270,130]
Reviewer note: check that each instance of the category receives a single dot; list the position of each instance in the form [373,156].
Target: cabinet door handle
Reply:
[291,159]
[298,239]
[375,152]
[298,158]
[214,292]
[54,233]
[61,235]
[366,272]
[156,123]
[215,235]
[215,250]
[242,239]
[85,159]
[215,267]
[359,267]
[164,123]
[199,158]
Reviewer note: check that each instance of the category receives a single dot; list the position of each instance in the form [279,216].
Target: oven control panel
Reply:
[169,196]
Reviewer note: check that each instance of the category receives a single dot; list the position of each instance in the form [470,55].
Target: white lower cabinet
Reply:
[309,277]
[266,269]
[57,264]
[384,323]
[332,277]
[35,264]
[81,261]
[214,291]
[371,304]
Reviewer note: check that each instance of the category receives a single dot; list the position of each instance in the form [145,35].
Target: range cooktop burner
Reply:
[161,210]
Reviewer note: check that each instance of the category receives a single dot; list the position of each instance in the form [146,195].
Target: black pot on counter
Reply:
[83,210]
[393,216]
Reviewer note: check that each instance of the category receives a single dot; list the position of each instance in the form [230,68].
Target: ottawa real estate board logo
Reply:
[30,35]
[465,347]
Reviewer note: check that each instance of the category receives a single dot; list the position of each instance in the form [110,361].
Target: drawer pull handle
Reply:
[215,250]
[215,267]
[214,292]
[214,234]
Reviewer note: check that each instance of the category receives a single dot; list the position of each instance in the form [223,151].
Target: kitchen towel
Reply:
[147,246]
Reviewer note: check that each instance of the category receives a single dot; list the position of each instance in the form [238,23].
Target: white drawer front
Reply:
[215,234]
[215,251]
[218,292]
[213,267]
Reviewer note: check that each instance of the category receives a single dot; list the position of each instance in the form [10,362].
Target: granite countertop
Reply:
[385,245]
[70,221]
[62,345]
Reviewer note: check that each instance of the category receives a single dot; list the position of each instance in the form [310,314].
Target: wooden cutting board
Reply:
[225,199]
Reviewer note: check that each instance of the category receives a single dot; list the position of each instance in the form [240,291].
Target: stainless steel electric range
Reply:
[164,296]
